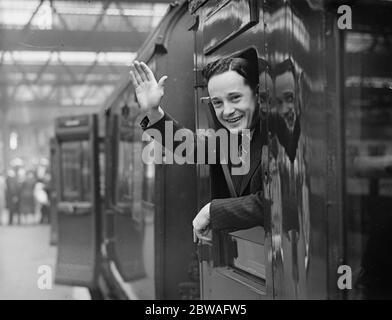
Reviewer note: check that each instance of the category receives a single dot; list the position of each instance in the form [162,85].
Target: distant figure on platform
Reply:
[27,203]
[42,200]
[12,196]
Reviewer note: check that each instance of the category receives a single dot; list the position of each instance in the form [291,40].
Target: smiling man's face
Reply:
[233,100]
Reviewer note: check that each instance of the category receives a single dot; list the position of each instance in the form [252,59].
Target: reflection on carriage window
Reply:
[148,190]
[265,93]
[130,180]
[287,107]
[124,172]
[137,176]
[75,171]
[368,144]
[281,93]
[148,183]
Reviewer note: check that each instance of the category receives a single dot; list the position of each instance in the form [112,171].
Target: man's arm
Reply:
[152,117]
[237,213]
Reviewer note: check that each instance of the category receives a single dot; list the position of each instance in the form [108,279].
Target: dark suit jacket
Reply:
[228,212]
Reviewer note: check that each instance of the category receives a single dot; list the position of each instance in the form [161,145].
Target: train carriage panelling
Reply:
[289,41]
[160,198]
[294,37]
[203,187]
[178,272]
[129,254]
[324,97]
[128,231]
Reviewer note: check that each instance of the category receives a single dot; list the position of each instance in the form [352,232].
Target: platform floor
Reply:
[23,249]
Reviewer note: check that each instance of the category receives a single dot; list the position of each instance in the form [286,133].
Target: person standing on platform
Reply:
[12,196]
[41,198]
[27,204]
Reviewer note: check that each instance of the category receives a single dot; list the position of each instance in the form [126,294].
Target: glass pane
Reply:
[138,181]
[249,254]
[368,133]
[75,166]
[124,173]
[148,183]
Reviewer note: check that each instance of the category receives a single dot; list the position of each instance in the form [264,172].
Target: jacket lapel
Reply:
[255,159]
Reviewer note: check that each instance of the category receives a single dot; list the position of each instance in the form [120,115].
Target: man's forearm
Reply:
[237,213]
[154,115]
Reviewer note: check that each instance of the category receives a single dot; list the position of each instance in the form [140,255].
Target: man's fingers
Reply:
[147,71]
[133,73]
[140,70]
[136,74]
[202,235]
[133,79]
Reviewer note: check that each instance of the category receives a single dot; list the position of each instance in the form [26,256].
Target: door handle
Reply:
[74,208]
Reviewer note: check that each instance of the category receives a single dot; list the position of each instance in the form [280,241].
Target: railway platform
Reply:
[25,256]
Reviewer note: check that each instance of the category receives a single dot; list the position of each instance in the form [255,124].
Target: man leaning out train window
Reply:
[233,93]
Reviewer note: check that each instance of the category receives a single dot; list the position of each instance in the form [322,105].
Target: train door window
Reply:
[368,159]
[75,171]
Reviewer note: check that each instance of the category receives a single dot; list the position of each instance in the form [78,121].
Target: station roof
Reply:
[68,55]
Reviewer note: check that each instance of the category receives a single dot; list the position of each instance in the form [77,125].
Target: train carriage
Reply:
[160,199]
[147,209]
[324,96]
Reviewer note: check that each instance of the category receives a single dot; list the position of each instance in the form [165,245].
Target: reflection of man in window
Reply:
[287,177]
[272,186]
[287,121]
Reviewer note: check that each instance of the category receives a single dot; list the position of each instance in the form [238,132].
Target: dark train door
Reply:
[124,212]
[78,200]
[366,140]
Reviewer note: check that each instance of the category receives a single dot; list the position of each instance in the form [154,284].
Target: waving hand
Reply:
[148,91]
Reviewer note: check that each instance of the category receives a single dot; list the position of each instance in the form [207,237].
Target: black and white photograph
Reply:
[206,153]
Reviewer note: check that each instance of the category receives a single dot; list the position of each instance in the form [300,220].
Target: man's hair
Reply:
[240,65]
[285,66]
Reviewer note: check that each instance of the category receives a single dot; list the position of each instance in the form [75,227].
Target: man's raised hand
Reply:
[148,91]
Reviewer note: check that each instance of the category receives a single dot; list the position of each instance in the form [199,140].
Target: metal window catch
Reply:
[205,99]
